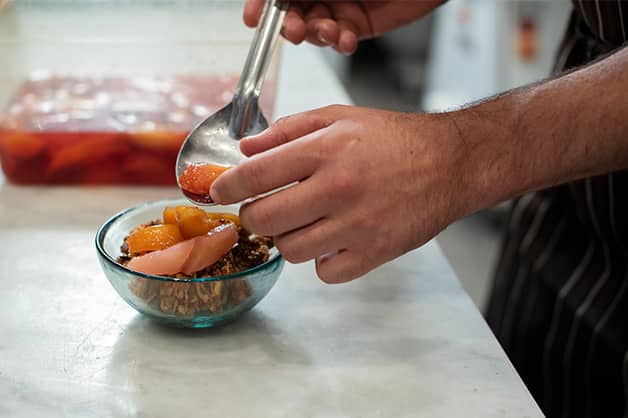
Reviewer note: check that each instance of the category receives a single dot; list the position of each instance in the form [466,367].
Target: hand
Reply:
[366,186]
[341,23]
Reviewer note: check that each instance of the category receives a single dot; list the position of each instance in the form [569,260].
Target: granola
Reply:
[188,299]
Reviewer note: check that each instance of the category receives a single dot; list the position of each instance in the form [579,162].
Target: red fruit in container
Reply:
[148,168]
[104,130]
[157,140]
[87,152]
[21,145]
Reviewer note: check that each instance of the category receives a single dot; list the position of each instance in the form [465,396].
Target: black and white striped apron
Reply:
[559,303]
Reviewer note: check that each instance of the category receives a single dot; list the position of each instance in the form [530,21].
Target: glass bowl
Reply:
[190,303]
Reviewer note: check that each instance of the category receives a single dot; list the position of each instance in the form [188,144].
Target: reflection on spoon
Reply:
[197,179]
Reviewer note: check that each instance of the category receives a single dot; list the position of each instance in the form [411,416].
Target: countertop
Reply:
[403,341]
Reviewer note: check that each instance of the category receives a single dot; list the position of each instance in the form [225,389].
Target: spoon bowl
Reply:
[216,140]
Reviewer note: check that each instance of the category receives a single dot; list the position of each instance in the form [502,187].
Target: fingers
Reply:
[322,30]
[341,267]
[322,237]
[281,165]
[318,23]
[294,28]
[252,12]
[327,27]
[285,130]
[265,172]
[346,37]
[339,35]
[348,40]
[289,209]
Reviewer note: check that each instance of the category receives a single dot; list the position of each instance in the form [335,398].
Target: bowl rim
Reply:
[104,228]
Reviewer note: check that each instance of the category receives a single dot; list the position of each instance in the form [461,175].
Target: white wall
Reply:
[472,51]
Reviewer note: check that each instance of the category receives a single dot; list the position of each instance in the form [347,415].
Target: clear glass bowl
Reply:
[191,303]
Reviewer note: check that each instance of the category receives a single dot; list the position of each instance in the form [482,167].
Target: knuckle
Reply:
[279,130]
[344,183]
[365,221]
[329,114]
[282,121]
[382,246]
[377,253]
[335,108]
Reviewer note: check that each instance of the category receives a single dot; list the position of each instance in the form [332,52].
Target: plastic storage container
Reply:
[104,92]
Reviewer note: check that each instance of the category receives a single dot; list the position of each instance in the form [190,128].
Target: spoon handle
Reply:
[246,110]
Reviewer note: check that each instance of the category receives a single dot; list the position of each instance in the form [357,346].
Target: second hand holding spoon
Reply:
[214,145]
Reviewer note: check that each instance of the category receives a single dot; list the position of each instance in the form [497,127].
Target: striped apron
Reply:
[559,302]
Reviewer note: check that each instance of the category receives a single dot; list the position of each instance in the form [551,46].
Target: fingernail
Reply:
[214,195]
[320,37]
[348,53]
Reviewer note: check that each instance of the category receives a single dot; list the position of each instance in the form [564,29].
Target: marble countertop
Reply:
[404,341]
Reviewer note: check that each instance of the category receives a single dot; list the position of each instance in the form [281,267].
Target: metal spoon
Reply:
[216,140]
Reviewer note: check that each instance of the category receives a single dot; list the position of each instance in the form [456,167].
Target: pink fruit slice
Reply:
[167,261]
[210,248]
[188,256]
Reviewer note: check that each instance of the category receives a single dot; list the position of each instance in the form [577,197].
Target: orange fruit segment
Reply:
[193,221]
[198,178]
[153,238]
[170,215]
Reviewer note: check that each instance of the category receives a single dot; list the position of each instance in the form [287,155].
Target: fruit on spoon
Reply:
[197,179]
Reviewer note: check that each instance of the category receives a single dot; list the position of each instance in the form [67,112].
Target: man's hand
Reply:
[341,23]
[367,186]
[371,185]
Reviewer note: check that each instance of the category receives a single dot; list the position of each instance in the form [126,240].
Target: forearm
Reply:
[565,129]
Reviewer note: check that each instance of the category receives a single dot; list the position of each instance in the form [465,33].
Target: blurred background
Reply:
[466,51]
